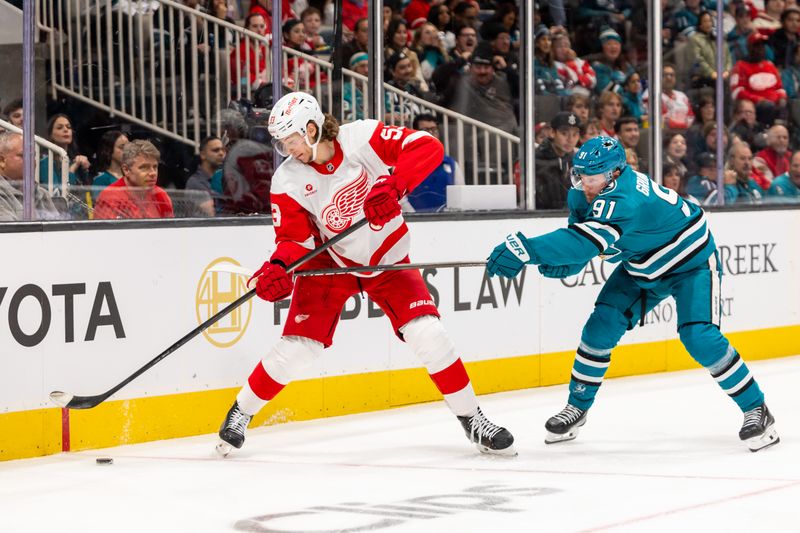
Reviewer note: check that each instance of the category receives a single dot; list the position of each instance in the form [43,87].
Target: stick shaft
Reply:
[384,268]
[85,402]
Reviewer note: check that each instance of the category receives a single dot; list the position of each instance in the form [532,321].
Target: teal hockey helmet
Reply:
[600,155]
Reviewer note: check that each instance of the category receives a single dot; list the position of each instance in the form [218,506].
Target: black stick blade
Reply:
[70,401]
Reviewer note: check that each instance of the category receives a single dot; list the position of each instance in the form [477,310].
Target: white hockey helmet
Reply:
[291,114]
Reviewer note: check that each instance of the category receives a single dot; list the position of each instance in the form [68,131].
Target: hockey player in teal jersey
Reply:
[665,249]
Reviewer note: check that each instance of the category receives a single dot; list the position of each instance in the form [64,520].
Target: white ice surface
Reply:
[659,453]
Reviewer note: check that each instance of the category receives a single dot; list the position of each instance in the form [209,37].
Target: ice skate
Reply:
[758,429]
[488,437]
[232,430]
[565,425]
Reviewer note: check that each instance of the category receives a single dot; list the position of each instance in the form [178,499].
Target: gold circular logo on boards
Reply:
[216,289]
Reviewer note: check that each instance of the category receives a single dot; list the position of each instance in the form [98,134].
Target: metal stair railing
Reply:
[170,70]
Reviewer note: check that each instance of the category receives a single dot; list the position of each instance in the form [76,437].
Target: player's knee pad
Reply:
[704,342]
[430,342]
[605,327]
[289,356]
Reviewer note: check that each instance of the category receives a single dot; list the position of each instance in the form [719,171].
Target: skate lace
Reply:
[569,414]
[481,427]
[238,421]
[752,417]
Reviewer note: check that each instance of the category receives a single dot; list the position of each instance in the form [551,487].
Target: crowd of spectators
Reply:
[590,73]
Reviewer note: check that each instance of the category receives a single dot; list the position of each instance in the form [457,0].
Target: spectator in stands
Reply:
[135,194]
[13,112]
[445,77]
[611,14]
[11,177]
[396,40]
[430,49]
[301,71]
[466,41]
[353,94]
[465,14]
[737,37]
[498,36]
[774,159]
[632,99]
[632,159]
[484,96]
[577,75]
[769,20]
[544,68]
[703,185]
[786,187]
[704,52]
[745,124]
[507,15]
[541,131]
[416,12]
[554,161]
[311,17]
[580,105]
[400,74]
[687,20]
[675,150]
[673,176]
[610,64]
[790,76]
[708,142]
[704,112]
[360,41]
[431,194]
[784,41]
[744,189]
[212,155]
[109,160]
[609,109]
[248,61]
[264,8]
[592,130]
[352,11]
[676,109]
[59,132]
[757,79]
[626,130]
[439,16]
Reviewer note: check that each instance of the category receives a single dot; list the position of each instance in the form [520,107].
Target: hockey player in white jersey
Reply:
[333,177]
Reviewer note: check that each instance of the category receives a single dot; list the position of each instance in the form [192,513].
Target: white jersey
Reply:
[312,203]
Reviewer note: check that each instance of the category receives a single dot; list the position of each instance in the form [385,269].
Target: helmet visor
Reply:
[589,181]
[285,146]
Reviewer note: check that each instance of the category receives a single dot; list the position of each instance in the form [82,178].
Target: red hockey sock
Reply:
[452,379]
[262,384]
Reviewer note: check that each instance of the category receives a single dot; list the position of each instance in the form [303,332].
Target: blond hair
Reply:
[134,149]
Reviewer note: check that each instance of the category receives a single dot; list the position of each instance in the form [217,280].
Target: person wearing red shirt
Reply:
[264,8]
[334,177]
[758,80]
[135,194]
[352,10]
[417,12]
[773,160]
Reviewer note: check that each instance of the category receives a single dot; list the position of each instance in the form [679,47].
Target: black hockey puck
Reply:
[104,461]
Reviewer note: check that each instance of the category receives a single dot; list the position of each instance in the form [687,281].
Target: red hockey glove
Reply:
[382,203]
[273,283]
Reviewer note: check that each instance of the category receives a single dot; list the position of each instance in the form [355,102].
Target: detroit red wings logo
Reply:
[346,204]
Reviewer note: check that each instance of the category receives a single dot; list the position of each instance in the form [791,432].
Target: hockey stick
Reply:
[244,271]
[70,401]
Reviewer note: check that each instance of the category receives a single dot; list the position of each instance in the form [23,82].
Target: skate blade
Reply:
[505,452]
[765,440]
[223,448]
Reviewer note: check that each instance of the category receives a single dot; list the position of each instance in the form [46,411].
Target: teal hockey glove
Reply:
[509,258]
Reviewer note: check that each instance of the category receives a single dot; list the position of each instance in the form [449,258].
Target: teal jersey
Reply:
[782,186]
[649,229]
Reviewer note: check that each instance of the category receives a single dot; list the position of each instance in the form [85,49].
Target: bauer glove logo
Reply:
[514,244]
